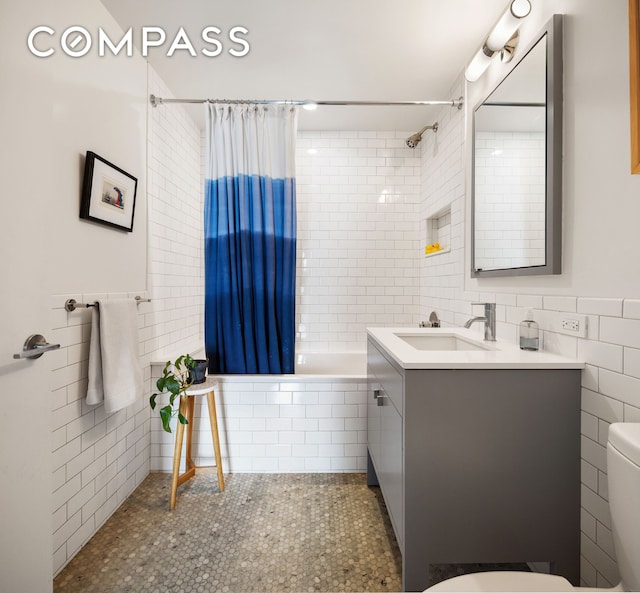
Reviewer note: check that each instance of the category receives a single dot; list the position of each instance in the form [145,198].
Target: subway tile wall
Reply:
[358,195]
[98,458]
[276,425]
[611,348]
[176,233]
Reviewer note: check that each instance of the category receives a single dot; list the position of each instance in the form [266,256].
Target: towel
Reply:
[115,376]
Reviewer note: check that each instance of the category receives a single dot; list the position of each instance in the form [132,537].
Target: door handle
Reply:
[35,346]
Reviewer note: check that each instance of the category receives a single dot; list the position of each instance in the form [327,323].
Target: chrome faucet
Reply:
[489,320]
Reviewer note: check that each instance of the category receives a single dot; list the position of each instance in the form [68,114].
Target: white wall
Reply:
[96,104]
[600,196]
[100,104]
[99,459]
[601,246]
[357,199]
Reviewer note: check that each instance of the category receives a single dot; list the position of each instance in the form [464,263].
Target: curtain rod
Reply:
[155,101]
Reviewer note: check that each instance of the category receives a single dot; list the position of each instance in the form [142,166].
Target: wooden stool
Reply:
[187,405]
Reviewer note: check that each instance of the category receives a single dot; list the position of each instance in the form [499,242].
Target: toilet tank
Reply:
[623,471]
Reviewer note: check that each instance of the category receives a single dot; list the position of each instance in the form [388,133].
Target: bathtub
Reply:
[312,421]
[336,364]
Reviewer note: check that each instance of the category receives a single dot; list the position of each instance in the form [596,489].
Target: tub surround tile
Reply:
[305,427]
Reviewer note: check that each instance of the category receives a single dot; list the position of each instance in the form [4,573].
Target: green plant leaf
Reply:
[172,384]
[175,380]
[165,415]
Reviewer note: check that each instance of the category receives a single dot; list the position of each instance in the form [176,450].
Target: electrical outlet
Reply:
[572,325]
[564,322]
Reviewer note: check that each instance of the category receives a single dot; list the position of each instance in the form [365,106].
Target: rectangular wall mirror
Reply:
[516,212]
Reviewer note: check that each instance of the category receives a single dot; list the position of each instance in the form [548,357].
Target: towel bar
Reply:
[71,304]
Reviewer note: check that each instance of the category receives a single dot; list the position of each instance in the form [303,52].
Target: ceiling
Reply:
[372,50]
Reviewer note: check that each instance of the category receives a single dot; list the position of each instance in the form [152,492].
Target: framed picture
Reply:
[108,193]
[634,82]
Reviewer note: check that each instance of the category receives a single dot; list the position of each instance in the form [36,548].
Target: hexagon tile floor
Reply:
[265,533]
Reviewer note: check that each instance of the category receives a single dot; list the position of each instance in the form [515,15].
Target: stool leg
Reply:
[213,420]
[177,453]
[189,464]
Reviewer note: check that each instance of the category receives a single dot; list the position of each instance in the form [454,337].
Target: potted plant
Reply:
[199,370]
[176,378]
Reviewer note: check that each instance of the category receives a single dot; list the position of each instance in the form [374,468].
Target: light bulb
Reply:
[508,24]
[479,64]
[309,106]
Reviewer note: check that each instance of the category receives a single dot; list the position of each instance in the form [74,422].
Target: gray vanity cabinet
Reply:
[477,465]
[384,423]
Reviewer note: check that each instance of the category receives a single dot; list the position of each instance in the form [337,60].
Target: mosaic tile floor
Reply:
[266,533]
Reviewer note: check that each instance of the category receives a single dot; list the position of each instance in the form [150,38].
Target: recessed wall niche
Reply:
[438,231]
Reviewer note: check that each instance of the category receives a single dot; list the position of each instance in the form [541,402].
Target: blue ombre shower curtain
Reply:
[250,238]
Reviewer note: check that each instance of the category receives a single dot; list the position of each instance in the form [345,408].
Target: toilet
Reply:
[623,472]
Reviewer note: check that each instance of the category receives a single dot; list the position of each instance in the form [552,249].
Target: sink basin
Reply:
[440,342]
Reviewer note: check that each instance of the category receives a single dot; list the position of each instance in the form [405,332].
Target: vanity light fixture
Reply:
[503,38]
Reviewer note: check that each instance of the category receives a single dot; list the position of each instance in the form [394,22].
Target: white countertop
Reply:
[501,355]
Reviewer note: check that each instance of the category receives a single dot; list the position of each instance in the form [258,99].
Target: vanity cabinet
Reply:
[476,465]
[384,425]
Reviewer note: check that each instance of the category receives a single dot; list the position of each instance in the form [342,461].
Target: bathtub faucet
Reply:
[489,320]
[433,321]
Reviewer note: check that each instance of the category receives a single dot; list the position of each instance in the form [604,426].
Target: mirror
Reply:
[517,166]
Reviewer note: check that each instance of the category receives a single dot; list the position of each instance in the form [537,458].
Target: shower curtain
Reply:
[250,239]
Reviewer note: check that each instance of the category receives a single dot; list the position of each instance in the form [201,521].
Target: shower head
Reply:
[414,140]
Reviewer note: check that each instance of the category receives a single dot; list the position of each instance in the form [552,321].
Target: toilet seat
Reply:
[505,581]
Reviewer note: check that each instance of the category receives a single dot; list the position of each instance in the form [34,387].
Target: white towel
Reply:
[115,376]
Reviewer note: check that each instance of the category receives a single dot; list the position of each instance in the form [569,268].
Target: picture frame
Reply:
[634,83]
[108,193]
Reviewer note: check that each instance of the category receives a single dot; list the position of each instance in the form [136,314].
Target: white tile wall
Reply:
[272,425]
[611,381]
[358,236]
[98,458]
[176,230]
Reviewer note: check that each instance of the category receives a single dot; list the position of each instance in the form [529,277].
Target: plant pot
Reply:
[199,371]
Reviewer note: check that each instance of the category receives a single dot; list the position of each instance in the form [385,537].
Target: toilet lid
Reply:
[504,581]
